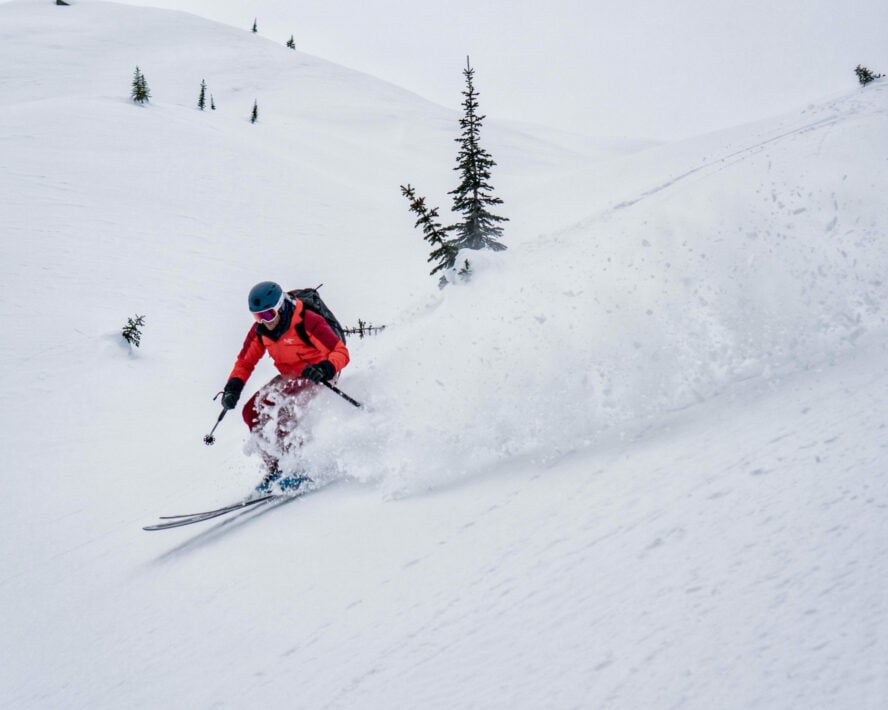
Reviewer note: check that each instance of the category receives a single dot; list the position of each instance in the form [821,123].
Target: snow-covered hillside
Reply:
[638,462]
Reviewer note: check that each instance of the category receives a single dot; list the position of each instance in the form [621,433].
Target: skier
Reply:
[306,352]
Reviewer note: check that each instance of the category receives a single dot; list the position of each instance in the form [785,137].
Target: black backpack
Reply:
[313,302]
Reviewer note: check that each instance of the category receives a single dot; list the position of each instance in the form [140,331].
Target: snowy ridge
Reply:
[638,462]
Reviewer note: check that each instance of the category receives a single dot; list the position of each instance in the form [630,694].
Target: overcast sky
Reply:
[639,68]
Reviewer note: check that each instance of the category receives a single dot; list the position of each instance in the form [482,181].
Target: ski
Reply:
[200,517]
[177,521]
[221,511]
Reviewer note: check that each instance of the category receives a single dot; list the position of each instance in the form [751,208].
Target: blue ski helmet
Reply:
[264,296]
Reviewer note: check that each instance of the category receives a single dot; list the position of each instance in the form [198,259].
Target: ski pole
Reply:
[343,395]
[209,439]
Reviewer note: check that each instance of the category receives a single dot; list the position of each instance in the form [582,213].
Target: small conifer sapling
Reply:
[291,43]
[254,116]
[865,76]
[140,92]
[364,329]
[132,331]
[202,97]
[443,252]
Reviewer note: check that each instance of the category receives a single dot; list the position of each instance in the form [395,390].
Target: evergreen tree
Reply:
[363,328]
[140,91]
[202,98]
[212,103]
[291,43]
[443,251]
[865,76]
[255,115]
[132,331]
[61,2]
[479,228]
[255,27]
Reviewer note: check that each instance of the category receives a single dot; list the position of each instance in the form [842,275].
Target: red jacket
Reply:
[291,354]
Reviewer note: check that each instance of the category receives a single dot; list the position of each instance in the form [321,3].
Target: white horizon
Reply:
[607,68]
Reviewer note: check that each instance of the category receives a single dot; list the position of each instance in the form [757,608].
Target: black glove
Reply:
[232,392]
[321,372]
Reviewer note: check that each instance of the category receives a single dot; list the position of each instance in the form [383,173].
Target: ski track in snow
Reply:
[728,160]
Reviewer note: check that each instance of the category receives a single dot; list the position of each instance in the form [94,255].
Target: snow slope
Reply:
[639,461]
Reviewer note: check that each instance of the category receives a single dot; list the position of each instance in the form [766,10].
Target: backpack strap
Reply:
[300,326]
[303,334]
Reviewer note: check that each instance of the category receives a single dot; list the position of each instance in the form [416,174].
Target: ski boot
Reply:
[270,478]
[290,484]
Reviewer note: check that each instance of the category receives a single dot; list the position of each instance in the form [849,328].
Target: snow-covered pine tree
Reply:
[202,97]
[140,91]
[865,76]
[212,103]
[254,116]
[443,251]
[255,26]
[473,196]
[291,43]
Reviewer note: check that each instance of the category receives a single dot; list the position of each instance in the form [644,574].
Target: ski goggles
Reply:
[266,316]
[270,314]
